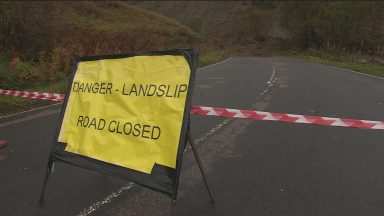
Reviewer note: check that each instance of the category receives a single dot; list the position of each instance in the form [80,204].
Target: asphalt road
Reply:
[253,167]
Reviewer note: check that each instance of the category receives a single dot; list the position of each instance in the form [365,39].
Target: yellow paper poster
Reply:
[127,111]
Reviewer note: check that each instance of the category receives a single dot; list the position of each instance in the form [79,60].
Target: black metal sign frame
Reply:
[162,179]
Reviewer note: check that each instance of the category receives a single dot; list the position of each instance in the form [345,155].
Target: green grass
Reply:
[11,104]
[210,57]
[368,68]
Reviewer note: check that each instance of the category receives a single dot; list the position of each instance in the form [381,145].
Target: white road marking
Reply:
[107,200]
[216,78]
[203,86]
[211,132]
[273,74]
[356,72]
[222,82]
[29,117]
[31,110]
[214,64]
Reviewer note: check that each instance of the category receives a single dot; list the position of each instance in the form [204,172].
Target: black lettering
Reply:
[109,127]
[93,123]
[80,120]
[87,87]
[177,86]
[142,90]
[161,89]
[102,88]
[133,89]
[166,95]
[136,128]
[183,88]
[125,128]
[95,88]
[151,86]
[109,87]
[86,121]
[145,131]
[101,124]
[124,90]
[81,87]
[155,135]
[117,128]
[75,87]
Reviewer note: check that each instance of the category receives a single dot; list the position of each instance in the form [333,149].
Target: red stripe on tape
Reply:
[34,95]
[236,113]
[268,116]
[3,143]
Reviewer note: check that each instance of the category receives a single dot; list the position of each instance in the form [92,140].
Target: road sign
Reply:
[127,115]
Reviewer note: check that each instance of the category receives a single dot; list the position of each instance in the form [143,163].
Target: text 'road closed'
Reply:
[120,127]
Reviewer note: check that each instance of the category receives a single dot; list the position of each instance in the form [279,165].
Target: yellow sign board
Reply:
[127,111]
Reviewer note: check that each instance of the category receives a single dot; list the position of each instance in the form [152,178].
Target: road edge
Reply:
[339,68]
[356,72]
[22,114]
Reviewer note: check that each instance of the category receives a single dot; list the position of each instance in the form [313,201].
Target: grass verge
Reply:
[11,104]
[368,68]
[210,57]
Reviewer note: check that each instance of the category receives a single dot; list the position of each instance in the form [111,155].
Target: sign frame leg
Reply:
[194,149]
[197,157]
[48,172]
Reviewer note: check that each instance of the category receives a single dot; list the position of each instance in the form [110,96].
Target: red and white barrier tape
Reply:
[236,113]
[268,116]
[34,95]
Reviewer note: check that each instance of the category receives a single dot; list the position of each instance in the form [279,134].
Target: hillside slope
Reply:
[114,27]
[42,48]
[252,27]
[39,41]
